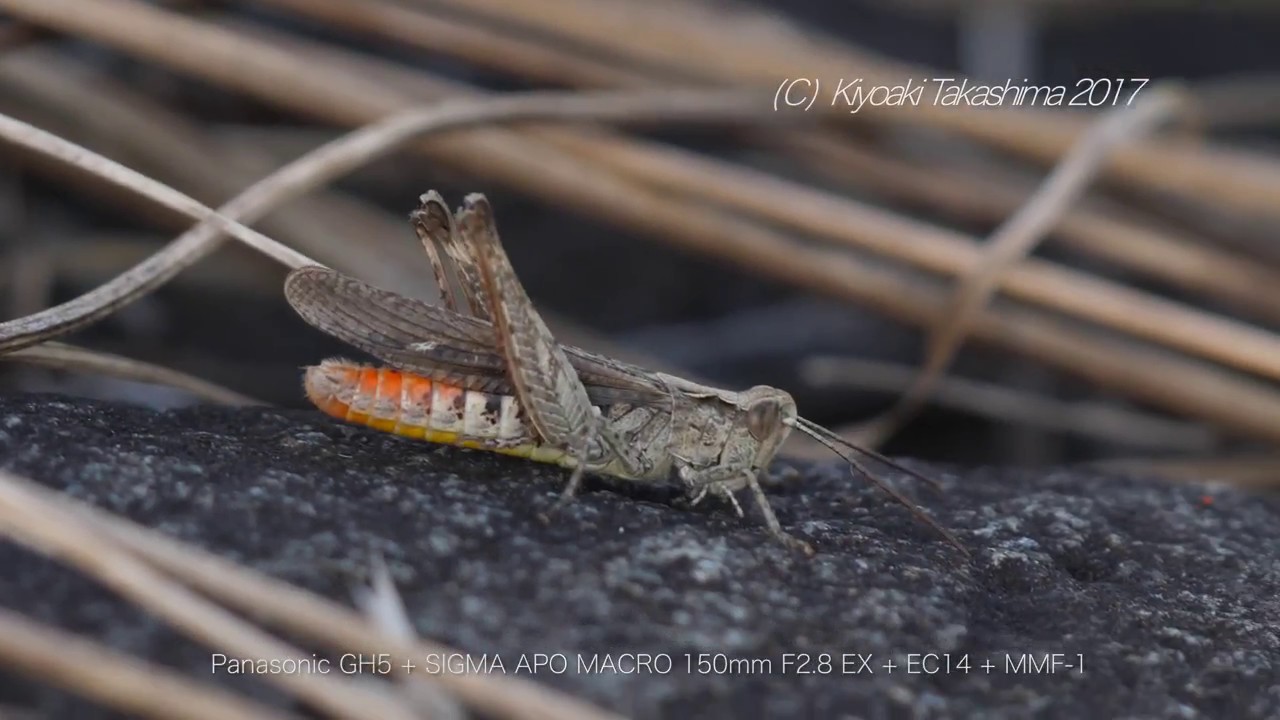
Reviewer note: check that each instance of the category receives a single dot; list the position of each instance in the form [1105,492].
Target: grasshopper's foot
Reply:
[566,496]
[794,543]
[771,520]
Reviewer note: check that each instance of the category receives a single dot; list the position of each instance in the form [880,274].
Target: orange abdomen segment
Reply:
[417,407]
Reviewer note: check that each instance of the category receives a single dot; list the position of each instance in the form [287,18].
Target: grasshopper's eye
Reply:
[763,419]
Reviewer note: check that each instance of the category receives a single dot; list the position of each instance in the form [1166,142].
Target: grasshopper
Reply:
[491,376]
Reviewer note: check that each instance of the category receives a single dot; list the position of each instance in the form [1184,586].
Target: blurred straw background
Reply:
[1011,285]
[1156,261]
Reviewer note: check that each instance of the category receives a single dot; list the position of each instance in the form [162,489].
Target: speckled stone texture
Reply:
[1170,594]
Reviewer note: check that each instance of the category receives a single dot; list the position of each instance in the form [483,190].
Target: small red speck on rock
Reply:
[1206,500]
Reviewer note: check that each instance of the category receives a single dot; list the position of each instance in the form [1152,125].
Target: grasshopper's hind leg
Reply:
[554,400]
[575,479]
[611,446]
[438,230]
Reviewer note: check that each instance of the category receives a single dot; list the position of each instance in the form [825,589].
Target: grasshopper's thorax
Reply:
[719,428]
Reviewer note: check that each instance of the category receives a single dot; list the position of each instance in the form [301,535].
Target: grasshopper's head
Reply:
[770,414]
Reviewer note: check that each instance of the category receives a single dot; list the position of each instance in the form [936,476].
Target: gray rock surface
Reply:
[1169,595]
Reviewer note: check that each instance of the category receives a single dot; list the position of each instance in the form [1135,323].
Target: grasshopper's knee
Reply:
[700,481]
[721,482]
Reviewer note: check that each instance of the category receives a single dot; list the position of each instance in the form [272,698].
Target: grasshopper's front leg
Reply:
[725,479]
[549,390]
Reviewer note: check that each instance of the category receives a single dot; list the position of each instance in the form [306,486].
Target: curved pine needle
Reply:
[69,357]
[317,168]
[143,277]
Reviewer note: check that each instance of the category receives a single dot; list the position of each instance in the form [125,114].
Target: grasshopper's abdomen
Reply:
[417,407]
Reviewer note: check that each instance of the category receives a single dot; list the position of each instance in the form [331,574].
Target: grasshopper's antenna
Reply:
[816,428]
[830,440]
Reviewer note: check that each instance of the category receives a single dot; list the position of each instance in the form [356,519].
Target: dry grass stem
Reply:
[460,37]
[384,609]
[1120,338]
[790,204]
[69,357]
[823,270]
[58,534]
[92,109]
[1242,472]
[1014,240]
[1101,421]
[148,275]
[306,614]
[312,170]
[741,44]
[939,250]
[1128,244]
[288,77]
[1162,253]
[116,680]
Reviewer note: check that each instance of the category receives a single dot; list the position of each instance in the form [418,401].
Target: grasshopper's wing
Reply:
[555,401]
[443,345]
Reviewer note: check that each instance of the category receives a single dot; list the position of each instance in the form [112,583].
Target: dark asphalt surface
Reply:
[1168,595]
